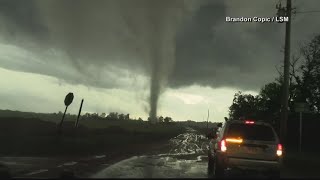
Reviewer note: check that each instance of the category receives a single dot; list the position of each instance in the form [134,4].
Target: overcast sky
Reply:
[106,50]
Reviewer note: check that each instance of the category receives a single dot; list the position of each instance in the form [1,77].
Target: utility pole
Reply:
[208,120]
[285,11]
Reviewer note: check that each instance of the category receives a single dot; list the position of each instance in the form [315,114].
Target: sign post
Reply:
[77,122]
[300,107]
[300,145]
[67,101]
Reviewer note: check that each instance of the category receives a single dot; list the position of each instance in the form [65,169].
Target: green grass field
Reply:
[34,137]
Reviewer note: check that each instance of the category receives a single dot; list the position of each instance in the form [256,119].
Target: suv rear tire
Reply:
[218,169]
[210,167]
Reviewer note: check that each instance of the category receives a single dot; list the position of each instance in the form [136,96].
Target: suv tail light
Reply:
[279,150]
[223,145]
[249,122]
[234,140]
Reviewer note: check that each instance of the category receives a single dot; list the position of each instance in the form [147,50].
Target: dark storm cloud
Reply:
[96,35]
[209,51]
[212,52]
[20,18]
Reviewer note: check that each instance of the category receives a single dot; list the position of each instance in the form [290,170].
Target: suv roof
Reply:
[255,122]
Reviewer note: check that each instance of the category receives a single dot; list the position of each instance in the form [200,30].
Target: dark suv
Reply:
[245,145]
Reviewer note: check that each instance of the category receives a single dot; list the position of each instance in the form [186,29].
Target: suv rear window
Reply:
[251,132]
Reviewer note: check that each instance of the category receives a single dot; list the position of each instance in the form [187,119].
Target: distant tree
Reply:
[305,76]
[161,119]
[103,115]
[121,117]
[265,106]
[140,119]
[112,116]
[269,101]
[95,115]
[167,120]
[127,117]
[310,80]
[86,115]
[243,105]
[108,117]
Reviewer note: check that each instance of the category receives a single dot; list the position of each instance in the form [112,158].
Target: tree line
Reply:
[115,116]
[304,86]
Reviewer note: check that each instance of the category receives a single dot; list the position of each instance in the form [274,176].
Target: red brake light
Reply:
[279,150]
[249,122]
[223,145]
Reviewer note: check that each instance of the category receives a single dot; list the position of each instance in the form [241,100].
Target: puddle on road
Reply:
[14,163]
[99,156]
[163,167]
[186,159]
[37,172]
[19,166]
[68,164]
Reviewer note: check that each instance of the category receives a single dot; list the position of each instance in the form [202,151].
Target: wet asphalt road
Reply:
[186,158]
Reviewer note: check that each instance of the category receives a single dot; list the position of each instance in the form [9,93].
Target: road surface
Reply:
[186,157]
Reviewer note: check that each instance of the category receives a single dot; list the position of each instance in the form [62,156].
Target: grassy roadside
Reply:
[304,164]
[34,137]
